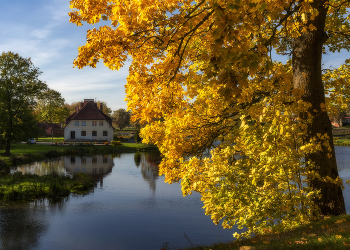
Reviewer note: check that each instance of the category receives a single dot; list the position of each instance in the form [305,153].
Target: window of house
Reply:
[83,133]
[83,123]
[76,123]
[104,133]
[100,123]
[94,123]
[94,133]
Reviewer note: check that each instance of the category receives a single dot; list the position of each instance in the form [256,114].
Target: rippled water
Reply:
[131,208]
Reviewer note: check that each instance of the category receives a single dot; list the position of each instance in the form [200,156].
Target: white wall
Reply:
[89,128]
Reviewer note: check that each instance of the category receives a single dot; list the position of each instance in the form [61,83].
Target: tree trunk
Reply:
[307,76]
[9,131]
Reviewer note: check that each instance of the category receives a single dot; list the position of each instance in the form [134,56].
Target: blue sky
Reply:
[40,29]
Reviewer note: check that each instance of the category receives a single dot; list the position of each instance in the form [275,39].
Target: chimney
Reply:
[101,107]
[88,100]
[81,105]
[76,108]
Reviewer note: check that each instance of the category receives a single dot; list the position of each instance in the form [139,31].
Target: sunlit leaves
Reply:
[225,116]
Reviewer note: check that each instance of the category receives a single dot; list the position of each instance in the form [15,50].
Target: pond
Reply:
[131,208]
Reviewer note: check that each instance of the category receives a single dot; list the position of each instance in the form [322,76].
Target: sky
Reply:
[40,29]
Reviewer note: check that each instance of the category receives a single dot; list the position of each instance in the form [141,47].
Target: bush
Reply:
[115,143]
[106,143]
[137,137]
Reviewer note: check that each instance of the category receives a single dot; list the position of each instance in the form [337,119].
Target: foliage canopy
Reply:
[19,85]
[203,81]
[121,117]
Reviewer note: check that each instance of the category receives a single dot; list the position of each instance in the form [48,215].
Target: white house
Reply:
[88,123]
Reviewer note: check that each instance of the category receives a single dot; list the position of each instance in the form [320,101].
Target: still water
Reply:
[131,208]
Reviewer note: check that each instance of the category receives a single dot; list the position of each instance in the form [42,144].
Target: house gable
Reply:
[88,111]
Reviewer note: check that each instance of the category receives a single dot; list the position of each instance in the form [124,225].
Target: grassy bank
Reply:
[329,233]
[29,187]
[341,141]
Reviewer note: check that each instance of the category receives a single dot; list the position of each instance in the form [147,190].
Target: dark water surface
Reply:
[131,208]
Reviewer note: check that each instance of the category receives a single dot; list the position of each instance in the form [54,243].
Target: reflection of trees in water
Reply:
[22,224]
[137,159]
[149,168]
[43,167]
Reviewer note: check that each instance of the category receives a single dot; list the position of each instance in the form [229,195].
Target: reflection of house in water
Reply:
[97,166]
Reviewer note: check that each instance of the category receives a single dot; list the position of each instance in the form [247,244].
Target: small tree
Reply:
[137,137]
[50,108]
[121,118]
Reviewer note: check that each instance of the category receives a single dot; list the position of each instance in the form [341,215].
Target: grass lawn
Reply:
[329,233]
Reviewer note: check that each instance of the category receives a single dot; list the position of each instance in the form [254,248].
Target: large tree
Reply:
[19,84]
[205,68]
[50,108]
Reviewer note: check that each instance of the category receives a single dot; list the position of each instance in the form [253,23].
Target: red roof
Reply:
[89,112]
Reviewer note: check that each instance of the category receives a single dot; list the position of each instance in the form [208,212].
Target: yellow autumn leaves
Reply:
[225,116]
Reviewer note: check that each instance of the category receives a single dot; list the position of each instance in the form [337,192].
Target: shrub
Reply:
[106,143]
[137,137]
[115,143]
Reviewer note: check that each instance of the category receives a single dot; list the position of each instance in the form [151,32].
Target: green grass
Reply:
[338,141]
[28,187]
[329,233]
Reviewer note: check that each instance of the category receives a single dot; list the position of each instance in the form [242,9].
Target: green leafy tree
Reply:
[50,108]
[105,109]
[19,84]
[121,118]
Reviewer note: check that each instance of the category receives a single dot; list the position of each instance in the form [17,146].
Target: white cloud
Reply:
[40,33]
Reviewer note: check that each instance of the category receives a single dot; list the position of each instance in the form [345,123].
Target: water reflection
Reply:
[135,209]
[149,168]
[44,167]
[97,166]
[23,224]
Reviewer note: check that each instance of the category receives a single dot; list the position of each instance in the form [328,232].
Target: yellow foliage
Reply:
[223,114]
